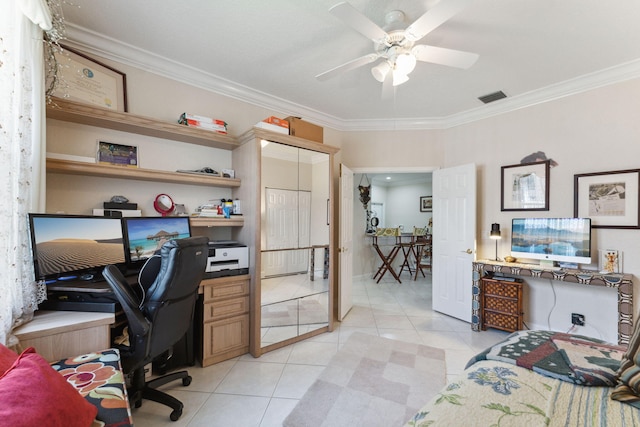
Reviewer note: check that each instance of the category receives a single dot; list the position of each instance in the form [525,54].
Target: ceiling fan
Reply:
[396,45]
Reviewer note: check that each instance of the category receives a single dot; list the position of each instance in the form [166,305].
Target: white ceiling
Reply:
[269,52]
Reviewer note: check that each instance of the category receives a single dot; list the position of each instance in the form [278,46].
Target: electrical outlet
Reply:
[577,319]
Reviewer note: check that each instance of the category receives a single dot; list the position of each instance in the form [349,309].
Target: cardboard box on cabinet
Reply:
[306,130]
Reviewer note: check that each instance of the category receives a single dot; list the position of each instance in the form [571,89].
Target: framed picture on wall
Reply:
[610,199]
[86,80]
[525,187]
[426,204]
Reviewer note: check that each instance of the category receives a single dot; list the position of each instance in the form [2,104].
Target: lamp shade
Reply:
[381,70]
[495,231]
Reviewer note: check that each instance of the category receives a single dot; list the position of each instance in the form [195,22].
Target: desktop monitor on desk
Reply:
[74,247]
[145,235]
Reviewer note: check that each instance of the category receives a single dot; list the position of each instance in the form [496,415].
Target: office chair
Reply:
[161,317]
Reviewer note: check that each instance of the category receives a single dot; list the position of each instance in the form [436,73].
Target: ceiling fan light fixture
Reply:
[381,70]
[405,63]
[399,78]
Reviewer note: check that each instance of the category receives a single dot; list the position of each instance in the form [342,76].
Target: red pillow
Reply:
[7,358]
[32,393]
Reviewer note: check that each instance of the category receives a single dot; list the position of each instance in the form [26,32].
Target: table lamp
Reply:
[495,234]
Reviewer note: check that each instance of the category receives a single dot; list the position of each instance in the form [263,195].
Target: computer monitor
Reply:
[68,247]
[145,235]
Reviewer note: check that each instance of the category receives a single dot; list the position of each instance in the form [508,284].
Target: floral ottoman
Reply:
[99,379]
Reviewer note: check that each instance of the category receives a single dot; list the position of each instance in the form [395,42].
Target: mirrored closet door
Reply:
[294,243]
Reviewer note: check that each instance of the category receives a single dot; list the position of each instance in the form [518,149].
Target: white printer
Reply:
[227,258]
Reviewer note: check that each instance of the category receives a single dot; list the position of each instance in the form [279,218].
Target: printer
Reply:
[227,258]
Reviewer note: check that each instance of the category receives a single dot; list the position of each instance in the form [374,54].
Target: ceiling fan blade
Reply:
[443,56]
[434,17]
[358,62]
[352,17]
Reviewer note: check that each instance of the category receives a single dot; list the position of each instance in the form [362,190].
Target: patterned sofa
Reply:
[541,378]
[87,390]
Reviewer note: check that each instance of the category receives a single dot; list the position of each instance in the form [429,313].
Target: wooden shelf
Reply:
[70,111]
[234,221]
[107,171]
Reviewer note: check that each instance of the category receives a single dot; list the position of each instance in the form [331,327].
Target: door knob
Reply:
[468,251]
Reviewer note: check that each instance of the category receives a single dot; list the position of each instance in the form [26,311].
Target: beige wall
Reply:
[588,132]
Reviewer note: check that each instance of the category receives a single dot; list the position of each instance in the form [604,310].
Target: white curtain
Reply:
[22,147]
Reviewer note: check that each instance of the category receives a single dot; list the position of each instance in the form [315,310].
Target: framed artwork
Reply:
[610,199]
[426,204]
[117,154]
[525,187]
[88,81]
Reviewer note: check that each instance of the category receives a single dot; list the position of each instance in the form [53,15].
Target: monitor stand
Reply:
[545,263]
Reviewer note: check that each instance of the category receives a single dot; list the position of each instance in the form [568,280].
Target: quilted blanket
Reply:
[572,358]
[492,393]
[534,378]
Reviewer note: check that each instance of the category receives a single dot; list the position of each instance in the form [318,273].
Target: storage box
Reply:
[273,128]
[277,121]
[306,130]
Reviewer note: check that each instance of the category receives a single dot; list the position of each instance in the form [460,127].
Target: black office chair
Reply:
[160,317]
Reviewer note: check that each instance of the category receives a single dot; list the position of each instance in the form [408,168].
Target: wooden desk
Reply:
[60,334]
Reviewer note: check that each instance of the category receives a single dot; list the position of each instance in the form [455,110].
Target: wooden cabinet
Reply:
[225,318]
[501,304]
[59,334]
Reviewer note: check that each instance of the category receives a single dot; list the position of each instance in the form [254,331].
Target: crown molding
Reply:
[109,48]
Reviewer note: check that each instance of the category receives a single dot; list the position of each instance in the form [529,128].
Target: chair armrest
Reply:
[130,302]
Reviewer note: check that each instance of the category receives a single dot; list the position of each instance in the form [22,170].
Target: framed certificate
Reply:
[88,81]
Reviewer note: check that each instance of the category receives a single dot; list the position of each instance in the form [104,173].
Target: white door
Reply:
[454,231]
[346,241]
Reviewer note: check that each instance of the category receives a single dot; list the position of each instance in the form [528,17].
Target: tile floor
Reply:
[261,392]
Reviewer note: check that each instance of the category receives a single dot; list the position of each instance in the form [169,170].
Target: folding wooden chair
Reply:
[388,258]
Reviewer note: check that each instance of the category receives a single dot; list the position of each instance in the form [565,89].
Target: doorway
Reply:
[401,189]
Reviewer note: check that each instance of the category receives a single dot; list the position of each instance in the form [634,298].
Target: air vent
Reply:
[492,97]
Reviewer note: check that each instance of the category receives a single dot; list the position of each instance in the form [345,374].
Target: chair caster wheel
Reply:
[175,415]
[186,381]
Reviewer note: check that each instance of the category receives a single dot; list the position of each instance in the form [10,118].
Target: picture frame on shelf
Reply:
[525,186]
[109,153]
[84,79]
[611,199]
[426,203]
[609,261]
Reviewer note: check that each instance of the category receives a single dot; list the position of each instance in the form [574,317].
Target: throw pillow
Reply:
[628,388]
[32,393]
[7,358]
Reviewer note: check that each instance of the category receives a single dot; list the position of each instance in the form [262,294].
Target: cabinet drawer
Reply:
[509,290]
[226,289]
[221,309]
[225,339]
[502,321]
[505,305]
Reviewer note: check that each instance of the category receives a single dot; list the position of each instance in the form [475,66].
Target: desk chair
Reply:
[161,317]
[388,258]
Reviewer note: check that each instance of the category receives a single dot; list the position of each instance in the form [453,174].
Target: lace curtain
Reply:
[22,147]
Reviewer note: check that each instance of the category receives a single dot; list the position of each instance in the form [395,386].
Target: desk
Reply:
[622,282]
[60,334]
